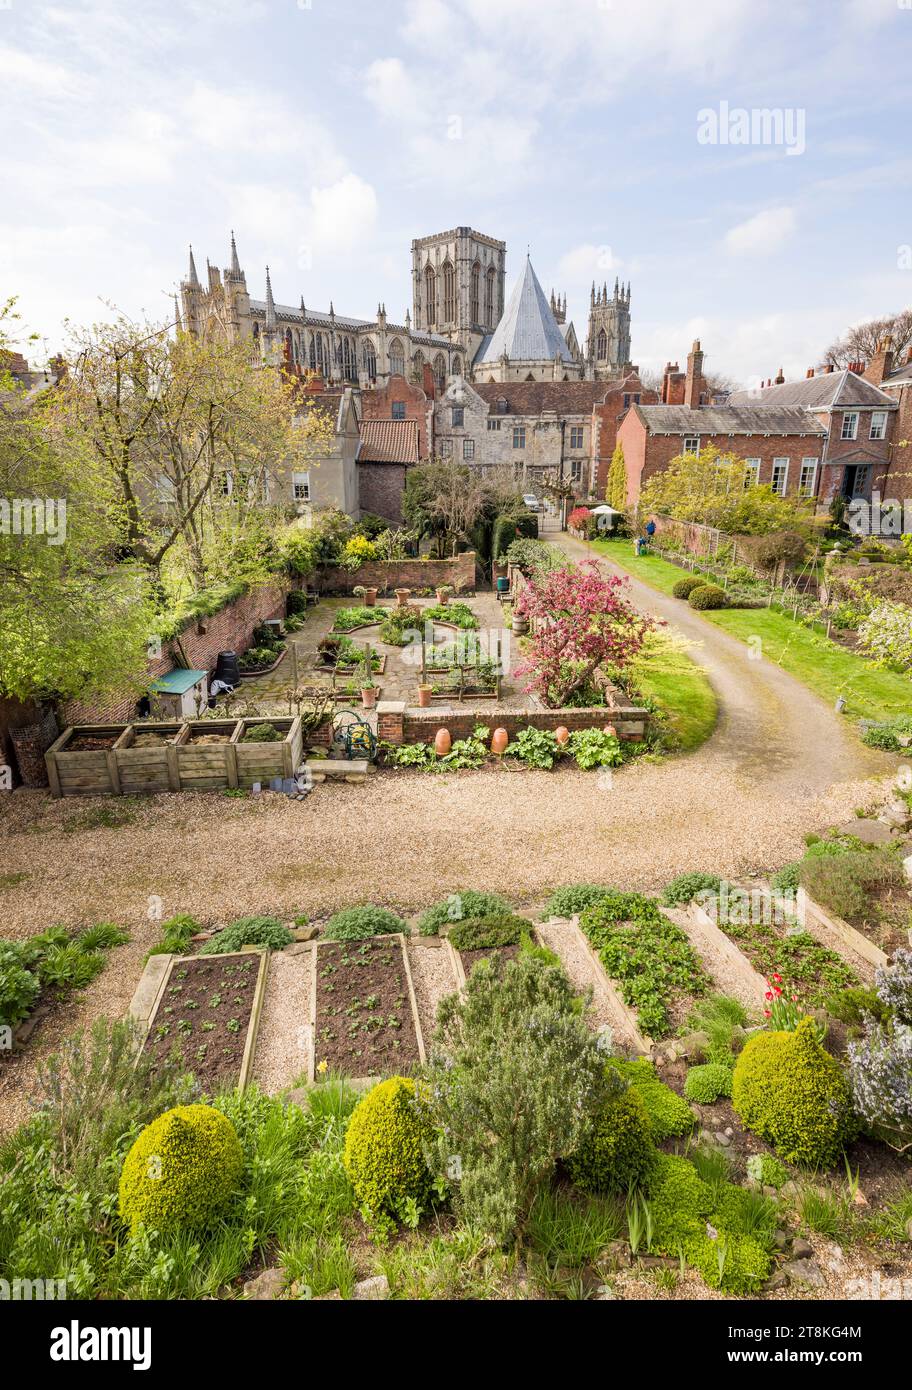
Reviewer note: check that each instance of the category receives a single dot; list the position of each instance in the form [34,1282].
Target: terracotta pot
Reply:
[499,740]
[609,729]
[562,734]
[424,696]
[442,595]
[369,697]
[403,596]
[370,598]
[442,742]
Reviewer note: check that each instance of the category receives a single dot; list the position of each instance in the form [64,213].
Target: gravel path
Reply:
[284,1040]
[604,1011]
[432,977]
[732,972]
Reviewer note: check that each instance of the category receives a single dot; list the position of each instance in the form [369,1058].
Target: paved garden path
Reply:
[773,732]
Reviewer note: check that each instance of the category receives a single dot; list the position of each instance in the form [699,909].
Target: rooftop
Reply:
[728,419]
[820,392]
[528,331]
[388,441]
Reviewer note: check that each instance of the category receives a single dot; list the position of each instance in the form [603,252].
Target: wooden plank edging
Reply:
[253,1026]
[419,1036]
[846,933]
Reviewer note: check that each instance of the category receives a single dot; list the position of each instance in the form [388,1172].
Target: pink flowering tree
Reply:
[583,623]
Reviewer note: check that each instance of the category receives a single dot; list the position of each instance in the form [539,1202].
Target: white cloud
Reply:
[576,269]
[761,234]
[344,214]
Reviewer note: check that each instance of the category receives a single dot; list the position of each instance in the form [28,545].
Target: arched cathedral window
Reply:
[449,293]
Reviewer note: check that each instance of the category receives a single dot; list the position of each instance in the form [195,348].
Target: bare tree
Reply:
[861,342]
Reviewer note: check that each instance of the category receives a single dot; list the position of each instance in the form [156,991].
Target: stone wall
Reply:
[228,630]
[458,571]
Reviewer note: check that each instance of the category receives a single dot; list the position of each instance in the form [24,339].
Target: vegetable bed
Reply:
[809,970]
[365,1022]
[205,1019]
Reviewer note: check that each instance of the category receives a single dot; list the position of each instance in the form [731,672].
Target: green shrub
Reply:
[487,933]
[792,1093]
[707,1083]
[296,603]
[69,966]
[851,1005]
[348,618]
[785,880]
[384,1154]
[722,1019]
[459,906]
[537,748]
[181,1171]
[573,898]
[102,937]
[356,923]
[842,883]
[262,733]
[19,988]
[249,931]
[685,587]
[669,1115]
[685,1209]
[595,748]
[683,889]
[707,596]
[767,1170]
[618,1152]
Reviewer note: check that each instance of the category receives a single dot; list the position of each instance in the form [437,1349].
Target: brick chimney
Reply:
[672,385]
[780,379]
[809,373]
[881,364]
[829,368]
[693,386]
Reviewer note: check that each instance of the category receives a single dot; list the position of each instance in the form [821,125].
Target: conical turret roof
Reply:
[528,331]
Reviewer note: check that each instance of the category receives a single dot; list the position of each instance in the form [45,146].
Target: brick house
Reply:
[400,399]
[607,415]
[895,380]
[858,419]
[386,450]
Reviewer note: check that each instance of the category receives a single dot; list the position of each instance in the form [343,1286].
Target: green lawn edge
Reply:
[820,664]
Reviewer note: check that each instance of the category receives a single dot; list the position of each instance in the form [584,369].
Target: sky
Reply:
[603,135]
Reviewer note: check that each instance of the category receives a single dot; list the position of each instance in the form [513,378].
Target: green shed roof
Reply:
[176,682]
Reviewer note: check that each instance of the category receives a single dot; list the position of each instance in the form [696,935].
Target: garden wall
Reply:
[459,571]
[398,723]
[227,630]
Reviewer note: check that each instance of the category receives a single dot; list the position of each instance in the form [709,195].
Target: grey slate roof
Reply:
[728,419]
[528,331]
[820,392]
[286,312]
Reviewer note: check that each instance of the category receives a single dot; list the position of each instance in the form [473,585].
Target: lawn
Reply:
[823,666]
[680,690]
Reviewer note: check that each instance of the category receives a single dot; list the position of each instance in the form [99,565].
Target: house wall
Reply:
[378,405]
[380,489]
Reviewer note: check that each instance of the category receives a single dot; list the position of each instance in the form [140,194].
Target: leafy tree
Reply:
[583,626]
[444,499]
[616,491]
[712,488]
[513,1082]
[72,620]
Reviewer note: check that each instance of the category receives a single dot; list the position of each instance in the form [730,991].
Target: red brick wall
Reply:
[402,574]
[227,630]
[420,726]
[875,452]
[380,489]
[646,455]
[378,405]
[605,423]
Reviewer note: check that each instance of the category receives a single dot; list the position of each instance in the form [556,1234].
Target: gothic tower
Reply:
[608,340]
[458,286]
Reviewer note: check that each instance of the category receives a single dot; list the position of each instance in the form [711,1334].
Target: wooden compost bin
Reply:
[154,767]
[260,762]
[88,772]
[208,766]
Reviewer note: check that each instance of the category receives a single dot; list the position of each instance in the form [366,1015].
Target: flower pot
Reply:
[442,742]
[609,729]
[369,696]
[370,598]
[442,595]
[424,696]
[562,734]
[499,740]
[402,597]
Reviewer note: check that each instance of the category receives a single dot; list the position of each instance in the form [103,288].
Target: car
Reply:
[531,502]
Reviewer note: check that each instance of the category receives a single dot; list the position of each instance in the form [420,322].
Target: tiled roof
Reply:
[820,392]
[528,331]
[727,419]
[532,397]
[388,441]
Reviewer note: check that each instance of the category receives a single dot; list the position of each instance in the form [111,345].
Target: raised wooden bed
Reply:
[264,670]
[811,914]
[623,1020]
[208,766]
[260,762]
[145,766]
[364,1017]
[722,958]
[76,771]
[205,1012]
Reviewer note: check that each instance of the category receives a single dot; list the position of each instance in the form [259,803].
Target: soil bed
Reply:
[201,738]
[204,1015]
[90,743]
[887,920]
[810,970]
[364,1024]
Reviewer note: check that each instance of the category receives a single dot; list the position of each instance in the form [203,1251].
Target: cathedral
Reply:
[459,324]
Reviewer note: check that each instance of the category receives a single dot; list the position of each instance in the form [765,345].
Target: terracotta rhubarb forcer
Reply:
[499,740]
[562,734]
[424,696]
[442,742]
